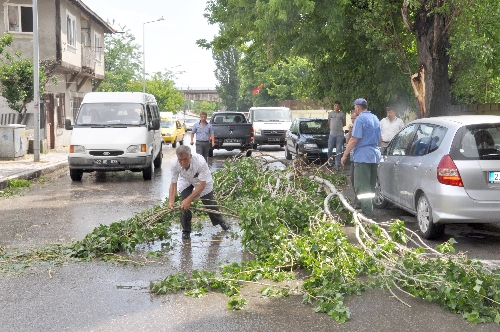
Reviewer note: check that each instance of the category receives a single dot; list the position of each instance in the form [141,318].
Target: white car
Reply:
[189,123]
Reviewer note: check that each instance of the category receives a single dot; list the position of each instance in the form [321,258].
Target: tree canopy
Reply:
[389,52]
[16,76]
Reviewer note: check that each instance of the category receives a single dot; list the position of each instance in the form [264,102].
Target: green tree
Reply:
[386,51]
[161,85]
[226,73]
[16,77]
[122,61]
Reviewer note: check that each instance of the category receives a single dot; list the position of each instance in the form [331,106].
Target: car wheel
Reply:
[158,159]
[76,174]
[378,201]
[181,142]
[147,173]
[288,155]
[211,152]
[429,229]
[301,157]
[174,144]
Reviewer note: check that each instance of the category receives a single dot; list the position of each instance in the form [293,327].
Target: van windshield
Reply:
[110,114]
[274,115]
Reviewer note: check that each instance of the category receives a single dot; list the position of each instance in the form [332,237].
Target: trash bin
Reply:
[12,141]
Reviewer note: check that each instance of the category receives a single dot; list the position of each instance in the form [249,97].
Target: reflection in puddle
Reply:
[206,250]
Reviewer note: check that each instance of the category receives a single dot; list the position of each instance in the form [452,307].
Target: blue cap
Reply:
[361,101]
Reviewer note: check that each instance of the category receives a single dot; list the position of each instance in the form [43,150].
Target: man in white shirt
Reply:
[390,126]
[191,176]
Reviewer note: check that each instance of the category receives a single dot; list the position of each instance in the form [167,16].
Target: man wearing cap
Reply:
[364,143]
[336,122]
[390,126]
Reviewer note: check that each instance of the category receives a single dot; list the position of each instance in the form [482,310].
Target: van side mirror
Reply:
[67,124]
[155,125]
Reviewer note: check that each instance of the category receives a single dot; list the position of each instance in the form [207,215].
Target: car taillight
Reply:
[447,172]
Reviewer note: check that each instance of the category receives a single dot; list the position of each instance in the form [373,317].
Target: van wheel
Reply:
[76,174]
[147,173]
[158,159]
[429,229]
[174,144]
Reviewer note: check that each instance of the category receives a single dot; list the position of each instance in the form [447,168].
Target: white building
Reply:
[71,40]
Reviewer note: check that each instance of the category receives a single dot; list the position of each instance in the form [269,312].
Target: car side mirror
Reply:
[67,124]
[155,125]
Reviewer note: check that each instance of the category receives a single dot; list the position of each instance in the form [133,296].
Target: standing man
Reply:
[195,179]
[336,122]
[364,142]
[355,203]
[390,126]
[204,136]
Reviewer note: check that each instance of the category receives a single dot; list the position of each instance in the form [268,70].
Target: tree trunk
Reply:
[431,32]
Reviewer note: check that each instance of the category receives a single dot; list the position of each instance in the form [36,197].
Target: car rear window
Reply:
[314,127]
[477,142]
[229,118]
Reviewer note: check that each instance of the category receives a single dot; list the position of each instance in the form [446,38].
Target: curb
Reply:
[33,173]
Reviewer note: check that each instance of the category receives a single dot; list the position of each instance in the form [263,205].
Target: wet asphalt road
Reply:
[100,296]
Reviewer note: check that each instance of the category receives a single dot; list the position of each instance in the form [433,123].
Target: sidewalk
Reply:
[26,168]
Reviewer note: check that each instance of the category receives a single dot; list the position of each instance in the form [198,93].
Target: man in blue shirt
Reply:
[204,136]
[365,141]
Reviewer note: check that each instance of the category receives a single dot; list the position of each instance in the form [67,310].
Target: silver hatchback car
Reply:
[443,170]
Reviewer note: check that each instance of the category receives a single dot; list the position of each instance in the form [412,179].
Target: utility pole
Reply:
[36,85]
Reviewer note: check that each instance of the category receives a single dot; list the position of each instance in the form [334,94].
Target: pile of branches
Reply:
[292,221]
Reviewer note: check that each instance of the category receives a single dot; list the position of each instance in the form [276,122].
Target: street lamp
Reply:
[144,54]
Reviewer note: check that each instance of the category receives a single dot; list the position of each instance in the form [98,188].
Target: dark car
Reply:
[308,138]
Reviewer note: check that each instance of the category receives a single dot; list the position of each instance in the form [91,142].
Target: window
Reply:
[71,30]
[97,46]
[20,18]
[399,143]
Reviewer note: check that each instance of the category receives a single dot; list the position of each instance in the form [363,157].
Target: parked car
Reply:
[172,132]
[189,123]
[307,137]
[443,170]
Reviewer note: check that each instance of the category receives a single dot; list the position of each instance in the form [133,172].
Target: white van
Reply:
[270,125]
[115,131]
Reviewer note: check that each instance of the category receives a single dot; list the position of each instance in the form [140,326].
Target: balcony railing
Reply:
[88,59]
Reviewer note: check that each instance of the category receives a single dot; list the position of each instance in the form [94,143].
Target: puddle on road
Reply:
[207,249]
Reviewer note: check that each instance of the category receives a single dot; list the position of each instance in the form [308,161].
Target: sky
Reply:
[171,43]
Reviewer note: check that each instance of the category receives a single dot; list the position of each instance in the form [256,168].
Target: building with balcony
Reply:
[71,44]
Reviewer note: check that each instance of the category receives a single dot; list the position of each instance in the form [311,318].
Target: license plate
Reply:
[105,162]
[231,140]
[494,177]
[273,139]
